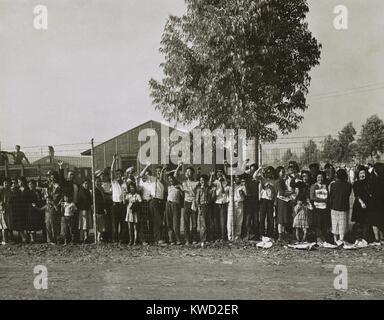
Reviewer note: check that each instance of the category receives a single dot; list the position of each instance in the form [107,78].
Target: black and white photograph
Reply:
[214,151]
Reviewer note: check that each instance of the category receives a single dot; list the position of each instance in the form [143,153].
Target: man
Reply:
[119,209]
[145,186]
[19,156]
[189,187]
[70,189]
[220,212]
[156,202]
[252,203]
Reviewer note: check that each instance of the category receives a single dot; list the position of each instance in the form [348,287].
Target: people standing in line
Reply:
[145,186]
[204,198]
[156,184]
[71,189]
[84,206]
[362,203]
[285,192]
[35,218]
[300,220]
[236,208]
[189,186]
[119,190]
[173,210]
[266,178]
[321,216]
[107,188]
[133,199]
[50,217]
[221,206]
[339,194]
[101,210]
[376,215]
[68,211]
[251,204]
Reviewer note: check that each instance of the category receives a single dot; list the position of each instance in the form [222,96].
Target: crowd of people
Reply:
[282,203]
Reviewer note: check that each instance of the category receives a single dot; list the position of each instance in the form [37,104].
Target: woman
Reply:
[376,215]
[17,207]
[285,193]
[35,219]
[362,203]
[101,211]
[321,217]
[84,205]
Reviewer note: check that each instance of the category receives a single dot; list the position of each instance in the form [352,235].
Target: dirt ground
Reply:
[240,271]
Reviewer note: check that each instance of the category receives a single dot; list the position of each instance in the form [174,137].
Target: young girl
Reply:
[134,199]
[50,210]
[300,220]
[69,208]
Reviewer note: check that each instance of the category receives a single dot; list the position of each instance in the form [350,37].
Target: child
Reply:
[133,198]
[50,210]
[69,209]
[203,202]
[300,220]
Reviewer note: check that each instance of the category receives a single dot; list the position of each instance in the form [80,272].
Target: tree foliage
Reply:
[331,150]
[371,141]
[311,153]
[237,64]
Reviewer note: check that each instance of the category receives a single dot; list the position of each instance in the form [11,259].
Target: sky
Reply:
[87,74]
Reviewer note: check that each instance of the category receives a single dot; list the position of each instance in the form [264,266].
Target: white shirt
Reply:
[118,191]
[221,193]
[157,188]
[146,188]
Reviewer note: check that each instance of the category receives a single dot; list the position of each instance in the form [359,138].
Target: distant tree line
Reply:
[346,147]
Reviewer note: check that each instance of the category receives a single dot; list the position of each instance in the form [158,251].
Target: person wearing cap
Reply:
[130,176]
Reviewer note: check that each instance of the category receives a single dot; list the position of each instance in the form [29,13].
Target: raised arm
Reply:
[179,166]
[113,167]
[142,173]
[26,159]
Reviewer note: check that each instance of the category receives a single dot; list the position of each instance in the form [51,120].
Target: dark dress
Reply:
[284,208]
[17,206]
[361,190]
[35,217]
[100,211]
[376,215]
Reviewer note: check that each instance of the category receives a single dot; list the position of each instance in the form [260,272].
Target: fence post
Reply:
[93,190]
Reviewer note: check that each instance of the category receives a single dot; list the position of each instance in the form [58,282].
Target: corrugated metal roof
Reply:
[78,162]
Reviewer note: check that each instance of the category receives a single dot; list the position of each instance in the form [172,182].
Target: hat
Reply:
[98,173]
[130,170]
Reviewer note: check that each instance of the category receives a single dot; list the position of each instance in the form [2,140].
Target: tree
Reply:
[347,147]
[237,64]
[371,141]
[289,156]
[311,153]
[331,150]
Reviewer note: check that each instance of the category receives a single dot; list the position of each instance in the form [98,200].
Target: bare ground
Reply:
[238,271]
